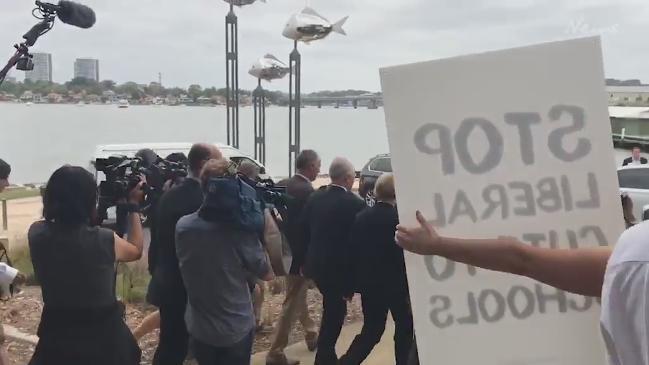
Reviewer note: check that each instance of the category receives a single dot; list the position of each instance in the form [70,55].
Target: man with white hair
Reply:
[329,215]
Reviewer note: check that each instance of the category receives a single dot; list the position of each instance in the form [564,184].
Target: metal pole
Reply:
[5,223]
[294,107]
[259,101]
[232,76]
[263,128]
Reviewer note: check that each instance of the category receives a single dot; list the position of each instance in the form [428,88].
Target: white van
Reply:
[163,150]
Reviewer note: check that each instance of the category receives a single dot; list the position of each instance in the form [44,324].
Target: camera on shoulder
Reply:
[125,173]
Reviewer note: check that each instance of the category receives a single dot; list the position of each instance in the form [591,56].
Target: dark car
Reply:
[377,166]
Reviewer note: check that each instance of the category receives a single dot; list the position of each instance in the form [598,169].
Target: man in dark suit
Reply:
[166,284]
[329,215]
[384,290]
[635,158]
[295,305]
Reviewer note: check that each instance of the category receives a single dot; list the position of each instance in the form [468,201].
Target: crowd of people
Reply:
[207,259]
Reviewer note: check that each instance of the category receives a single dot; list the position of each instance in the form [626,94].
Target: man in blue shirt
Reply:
[216,259]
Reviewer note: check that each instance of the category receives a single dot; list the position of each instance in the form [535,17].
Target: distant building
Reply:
[185,99]
[10,80]
[204,100]
[628,95]
[31,97]
[171,100]
[629,121]
[6,96]
[54,98]
[87,68]
[110,97]
[27,96]
[42,68]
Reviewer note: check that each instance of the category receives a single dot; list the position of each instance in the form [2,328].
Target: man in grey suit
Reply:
[295,305]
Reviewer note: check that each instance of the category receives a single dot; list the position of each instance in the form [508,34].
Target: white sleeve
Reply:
[7,274]
[625,313]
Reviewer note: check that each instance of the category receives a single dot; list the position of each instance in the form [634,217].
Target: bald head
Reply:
[249,169]
[341,172]
[200,154]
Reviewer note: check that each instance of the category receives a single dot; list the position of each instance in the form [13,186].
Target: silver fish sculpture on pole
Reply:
[241,3]
[307,26]
[269,68]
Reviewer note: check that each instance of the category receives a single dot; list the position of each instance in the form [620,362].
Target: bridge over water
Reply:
[370,101]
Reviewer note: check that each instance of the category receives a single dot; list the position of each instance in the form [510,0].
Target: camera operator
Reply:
[148,157]
[82,321]
[152,321]
[217,252]
[166,287]
[249,172]
[179,158]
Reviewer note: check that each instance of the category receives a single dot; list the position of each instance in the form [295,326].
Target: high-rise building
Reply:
[42,68]
[87,68]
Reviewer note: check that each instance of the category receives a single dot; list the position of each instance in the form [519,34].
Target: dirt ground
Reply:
[23,312]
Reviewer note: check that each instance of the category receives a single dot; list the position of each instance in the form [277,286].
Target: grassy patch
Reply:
[22,260]
[132,283]
[19,193]
[132,280]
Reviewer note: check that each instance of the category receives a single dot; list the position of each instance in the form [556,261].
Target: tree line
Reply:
[136,91]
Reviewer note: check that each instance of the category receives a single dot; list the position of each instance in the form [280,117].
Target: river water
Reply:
[38,139]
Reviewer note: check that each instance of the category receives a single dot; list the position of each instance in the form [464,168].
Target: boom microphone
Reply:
[76,14]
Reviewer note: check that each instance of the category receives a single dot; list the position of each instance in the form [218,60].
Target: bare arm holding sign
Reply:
[579,271]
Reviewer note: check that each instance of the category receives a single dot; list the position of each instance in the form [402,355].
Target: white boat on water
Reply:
[29,103]
[123,104]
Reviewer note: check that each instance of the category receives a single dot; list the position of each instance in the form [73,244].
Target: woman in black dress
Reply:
[82,321]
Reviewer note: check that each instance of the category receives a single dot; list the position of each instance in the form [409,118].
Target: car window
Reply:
[381,164]
[633,178]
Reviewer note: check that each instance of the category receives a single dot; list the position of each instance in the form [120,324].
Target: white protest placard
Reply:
[508,143]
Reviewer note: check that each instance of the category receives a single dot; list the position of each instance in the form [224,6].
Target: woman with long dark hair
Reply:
[74,261]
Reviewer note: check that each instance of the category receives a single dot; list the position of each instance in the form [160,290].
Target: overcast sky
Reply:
[184,39]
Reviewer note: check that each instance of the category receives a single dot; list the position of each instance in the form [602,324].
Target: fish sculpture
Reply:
[242,2]
[308,25]
[269,68]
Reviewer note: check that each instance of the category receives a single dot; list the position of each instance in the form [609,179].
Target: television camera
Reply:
[124,173]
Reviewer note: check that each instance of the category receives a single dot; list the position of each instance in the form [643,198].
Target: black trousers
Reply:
[414,354]
[375,312]
[237,354]
[333,317]
[174,339]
